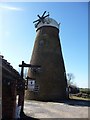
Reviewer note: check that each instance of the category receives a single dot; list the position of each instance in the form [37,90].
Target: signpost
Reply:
[31,83]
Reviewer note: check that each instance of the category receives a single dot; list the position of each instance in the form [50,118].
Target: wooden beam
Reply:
[28,65]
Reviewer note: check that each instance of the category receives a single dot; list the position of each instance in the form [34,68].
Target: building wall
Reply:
[51,79]
[8,100]
[0,88]
[10,77]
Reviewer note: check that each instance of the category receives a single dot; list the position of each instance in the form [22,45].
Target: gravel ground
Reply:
[68,109]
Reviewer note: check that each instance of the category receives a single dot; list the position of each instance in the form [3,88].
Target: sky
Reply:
[17,34]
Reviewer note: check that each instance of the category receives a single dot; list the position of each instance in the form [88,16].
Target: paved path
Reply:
[37,109]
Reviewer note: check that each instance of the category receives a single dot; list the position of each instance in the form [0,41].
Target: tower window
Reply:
[41,43]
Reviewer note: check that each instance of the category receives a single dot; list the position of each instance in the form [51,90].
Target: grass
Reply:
[78,98]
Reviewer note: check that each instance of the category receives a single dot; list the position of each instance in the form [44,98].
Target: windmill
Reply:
[50,81]
[41,19]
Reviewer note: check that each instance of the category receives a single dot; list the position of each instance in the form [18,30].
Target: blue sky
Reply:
[17,34]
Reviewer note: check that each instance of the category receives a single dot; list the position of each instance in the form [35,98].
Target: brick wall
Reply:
[8,98]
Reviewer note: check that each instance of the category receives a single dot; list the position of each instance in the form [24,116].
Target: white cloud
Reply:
[6,7]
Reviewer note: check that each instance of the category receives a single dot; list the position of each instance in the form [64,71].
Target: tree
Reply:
[70,77]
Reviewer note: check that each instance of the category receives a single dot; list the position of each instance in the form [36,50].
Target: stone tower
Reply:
[47,83]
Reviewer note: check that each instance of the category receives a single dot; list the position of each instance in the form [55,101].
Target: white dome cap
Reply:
[47,22]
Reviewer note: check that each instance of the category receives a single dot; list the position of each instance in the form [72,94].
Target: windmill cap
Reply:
[48,22]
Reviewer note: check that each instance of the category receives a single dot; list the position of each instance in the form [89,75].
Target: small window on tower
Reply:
[47,44]
[41,43]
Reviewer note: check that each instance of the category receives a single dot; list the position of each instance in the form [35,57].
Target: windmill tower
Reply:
[48,82]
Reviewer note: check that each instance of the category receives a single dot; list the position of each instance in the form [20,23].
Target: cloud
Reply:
[5,7]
